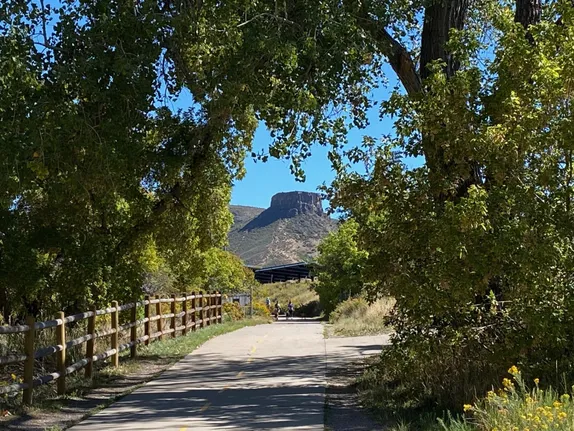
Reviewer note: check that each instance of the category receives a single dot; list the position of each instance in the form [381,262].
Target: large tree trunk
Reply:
[440,18]
[528,12]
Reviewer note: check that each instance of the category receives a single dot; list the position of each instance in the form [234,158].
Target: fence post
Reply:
[251,302]
[147,316]
[134,331]
[61,340]
[115,335]
[159,321]
[184,309]
[193,313]
[173,311]
[208,308]
[91,343]
[213,307]
[202,311]
[206,314]
[220,308]
[29,364]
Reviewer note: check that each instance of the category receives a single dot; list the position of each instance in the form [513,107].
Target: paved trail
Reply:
[267,377]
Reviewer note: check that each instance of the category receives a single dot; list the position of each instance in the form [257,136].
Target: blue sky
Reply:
[263,180]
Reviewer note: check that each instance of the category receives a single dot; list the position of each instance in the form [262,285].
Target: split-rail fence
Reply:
[197,311]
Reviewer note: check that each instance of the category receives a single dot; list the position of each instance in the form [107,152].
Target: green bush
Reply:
[310,309]
[233,311]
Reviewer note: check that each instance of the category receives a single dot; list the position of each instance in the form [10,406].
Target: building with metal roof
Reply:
[278,273]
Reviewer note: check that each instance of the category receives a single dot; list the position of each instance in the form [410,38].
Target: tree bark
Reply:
[441,16]
[528,12]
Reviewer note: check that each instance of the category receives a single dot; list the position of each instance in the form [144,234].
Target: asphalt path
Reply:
[266,377]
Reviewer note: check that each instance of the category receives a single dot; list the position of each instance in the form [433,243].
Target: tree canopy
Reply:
[102,180]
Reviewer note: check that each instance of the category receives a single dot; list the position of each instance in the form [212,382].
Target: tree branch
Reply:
[268,15]
[398,56]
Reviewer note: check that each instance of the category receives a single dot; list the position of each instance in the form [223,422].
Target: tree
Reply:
[340,266]
[95,169]
[476,244]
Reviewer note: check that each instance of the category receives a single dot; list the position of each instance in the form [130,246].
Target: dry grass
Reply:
[356,317]
[300,293]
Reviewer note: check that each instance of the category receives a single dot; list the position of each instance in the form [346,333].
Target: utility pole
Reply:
[251,301]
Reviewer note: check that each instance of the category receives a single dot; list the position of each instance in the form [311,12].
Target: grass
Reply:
[177,348]
[392,403]
[355,317]
[300,293]
[514,406]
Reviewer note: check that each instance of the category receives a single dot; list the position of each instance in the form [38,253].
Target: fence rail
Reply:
[197,311]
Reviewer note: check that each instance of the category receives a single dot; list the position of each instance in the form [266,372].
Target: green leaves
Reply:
[340,266]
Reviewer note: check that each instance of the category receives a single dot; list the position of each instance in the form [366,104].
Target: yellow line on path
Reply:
[182,428]
[240,374]
[205,407]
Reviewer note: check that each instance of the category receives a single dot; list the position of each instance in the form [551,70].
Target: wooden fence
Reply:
[197,311]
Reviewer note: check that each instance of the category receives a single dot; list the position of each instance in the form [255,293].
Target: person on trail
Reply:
[290,309]
[277,310]
[268,302]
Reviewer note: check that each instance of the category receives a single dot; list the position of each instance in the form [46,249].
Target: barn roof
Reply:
[290,271]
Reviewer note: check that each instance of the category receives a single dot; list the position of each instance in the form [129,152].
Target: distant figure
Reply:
[290,309]
[268,302]
[277,310]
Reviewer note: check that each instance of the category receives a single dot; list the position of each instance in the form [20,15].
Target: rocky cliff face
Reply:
[287,205]
[286,232]
[292,204]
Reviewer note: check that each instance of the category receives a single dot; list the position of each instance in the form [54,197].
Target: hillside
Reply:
[286,232]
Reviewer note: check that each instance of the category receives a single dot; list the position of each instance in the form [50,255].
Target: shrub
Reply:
[351,308]
[356,317]
[310,309]
[233,311]
[515,407]
[260,309]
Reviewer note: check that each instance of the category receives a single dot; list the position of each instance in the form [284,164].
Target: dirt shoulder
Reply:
[346,360]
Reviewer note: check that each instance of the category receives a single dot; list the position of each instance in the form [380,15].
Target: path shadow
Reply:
[281,392]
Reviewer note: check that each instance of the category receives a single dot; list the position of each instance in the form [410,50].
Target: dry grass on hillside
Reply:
[355,317]
[300,293]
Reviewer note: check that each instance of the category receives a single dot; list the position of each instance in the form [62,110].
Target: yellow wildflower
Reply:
[467,407]
[507,383]
[536,381]
[513,370]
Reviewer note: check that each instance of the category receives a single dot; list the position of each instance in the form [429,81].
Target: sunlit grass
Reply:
[356,317]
